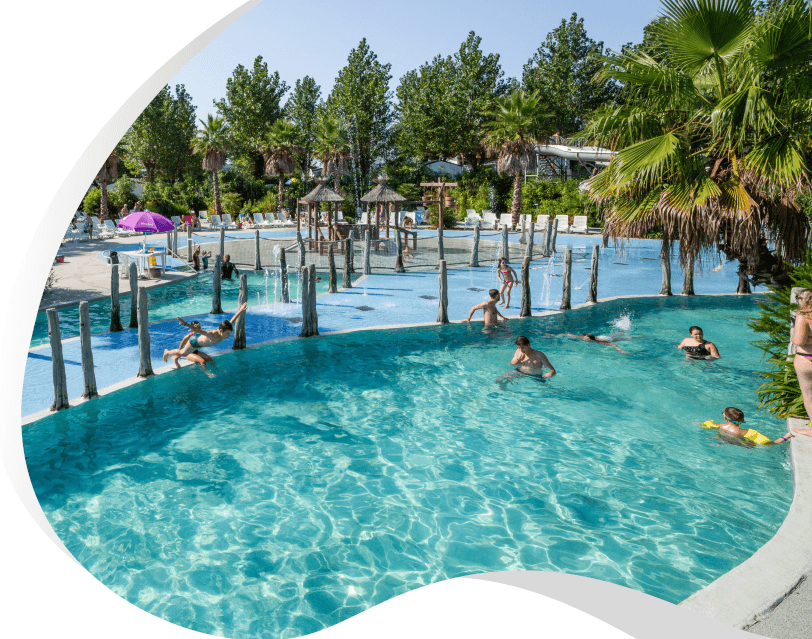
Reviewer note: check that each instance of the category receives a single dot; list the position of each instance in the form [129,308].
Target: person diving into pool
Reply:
[201,339]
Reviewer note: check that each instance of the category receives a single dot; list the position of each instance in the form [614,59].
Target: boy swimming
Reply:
[492,313]
[733,417]
[201,338]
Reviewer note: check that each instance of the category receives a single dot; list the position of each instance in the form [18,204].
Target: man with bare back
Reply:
[201,338]
[492,313]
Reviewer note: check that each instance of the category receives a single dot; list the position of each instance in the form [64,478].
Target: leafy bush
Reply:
[449,218]
[231,203]
[267,203]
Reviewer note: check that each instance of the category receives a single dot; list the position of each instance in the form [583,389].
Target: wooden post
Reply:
[175,242]
[298,217]
[145,364]
[168,246]
[566,294]
[88,373]
[744,284]
[399,261]
[239,328]
[525,310]
[115,307]
[387,212]
[222,243]
[505,246]
[351,244]
[530,240]
[304,288]
[665,264]
[592,298]
[346,280]
[331,261]
[688,284]
[189,243]
[474,263]
[283,276]
[605,240]
[548,236]
[314,317]
[257,259]
[367,248]
[216,307]
[440,248]
[555,237]
[300,242]
[57,362]
[133,295]
[442,311]
[523,238]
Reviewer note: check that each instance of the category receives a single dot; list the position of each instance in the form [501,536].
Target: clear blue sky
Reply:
[314,38]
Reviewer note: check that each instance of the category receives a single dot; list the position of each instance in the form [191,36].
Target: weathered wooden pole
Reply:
[257,258]
[88,373]
[665,264]
[548,237]
[399,261]
[531,233]
[351,245]
[566,294]
[189,243]
[688,284]
[744,283]
[283,276]
[440,248]
[314,317]
[592,298]
[474,263]
[168,245]
[133,295]
[555,237]
[300,242]
[525,310]
[304,287]
[346,279]
[222,242]
[367,249]
[331,261]
[175,242]
[523,222]
[57,362]
[239,328]
[605,240]
[505,246]
[115,306]
[442,310]
[145,361]
[216,307]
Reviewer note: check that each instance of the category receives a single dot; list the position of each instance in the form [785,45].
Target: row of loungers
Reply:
[489,220]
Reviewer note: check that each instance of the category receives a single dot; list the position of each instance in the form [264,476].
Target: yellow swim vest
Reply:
[752,435]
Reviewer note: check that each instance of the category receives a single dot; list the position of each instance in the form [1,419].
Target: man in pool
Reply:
[733,417]
[201,338]
[529,361]
[488,307]
[228,268]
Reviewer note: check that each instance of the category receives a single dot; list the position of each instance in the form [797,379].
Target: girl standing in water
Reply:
[508,278]
[802,338]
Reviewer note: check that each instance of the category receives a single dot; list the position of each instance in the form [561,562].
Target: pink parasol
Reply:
[146,222]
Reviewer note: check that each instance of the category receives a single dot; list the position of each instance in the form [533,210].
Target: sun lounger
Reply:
[283,219]
[100,230]
[579,224]
[541,222]
[226,222]
[506,219]
[176,221]
[489,219]
[259,221]
[246,222]
[472,218]
[563,223]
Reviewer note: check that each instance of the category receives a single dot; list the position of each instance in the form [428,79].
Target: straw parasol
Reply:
[322,193]
[384,194]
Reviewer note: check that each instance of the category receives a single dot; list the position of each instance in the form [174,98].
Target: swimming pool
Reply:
[181,299]
[316,478]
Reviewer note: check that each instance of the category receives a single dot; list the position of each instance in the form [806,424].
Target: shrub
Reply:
[449,218]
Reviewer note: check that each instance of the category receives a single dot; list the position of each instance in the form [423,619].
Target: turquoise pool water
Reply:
[190,297]
[313,479]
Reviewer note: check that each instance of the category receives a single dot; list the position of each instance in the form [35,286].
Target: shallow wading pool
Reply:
[316,478]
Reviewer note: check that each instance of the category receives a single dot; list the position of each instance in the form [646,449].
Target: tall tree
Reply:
[279,151]
[301,110]
[562,72]
[332,147]
[362,103]
[160,140]
[212,143]
[251,106]
[512,137]
[106,174]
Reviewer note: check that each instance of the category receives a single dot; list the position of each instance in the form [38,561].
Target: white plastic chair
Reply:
[579,224]
[176,221]
[259,221]
[506,219]
[227,222]
[541,222]
[99,229]
[563,223]
[283,219]
[472,218]
[216,223]
[489,219]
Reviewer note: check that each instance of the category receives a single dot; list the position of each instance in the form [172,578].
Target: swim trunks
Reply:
[193,341]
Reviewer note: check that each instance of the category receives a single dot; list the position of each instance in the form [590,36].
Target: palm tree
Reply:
[512,136]
[333,150]
[279,153]
[714,133]
[212,143]
[107,173]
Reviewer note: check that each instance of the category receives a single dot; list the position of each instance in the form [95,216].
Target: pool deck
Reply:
[769,594]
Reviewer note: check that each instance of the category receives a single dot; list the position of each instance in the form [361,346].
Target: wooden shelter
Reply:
[322,193]
[383,194]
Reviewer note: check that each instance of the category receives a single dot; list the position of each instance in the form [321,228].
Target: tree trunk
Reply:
[516,205]
[525,309]
[103,213]
[665,263]
[218,210]
[279,194]
[688,284]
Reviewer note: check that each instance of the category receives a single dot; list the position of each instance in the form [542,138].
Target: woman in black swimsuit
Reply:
[696,347]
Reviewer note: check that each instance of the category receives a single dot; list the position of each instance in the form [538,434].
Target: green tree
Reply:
[212,143]
[512,137]
[107,174]
[279,152]
[160,140]
[362,103]
[332,147]
[251,106]
[301,109]
[562,72]
[714,141]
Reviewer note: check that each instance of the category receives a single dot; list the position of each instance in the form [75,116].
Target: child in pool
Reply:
[734,417]
[488,307]
[201,338]
[508,277]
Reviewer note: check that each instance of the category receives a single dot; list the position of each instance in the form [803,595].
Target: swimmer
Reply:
[201,338]
[196,357]
[733,417]
[508,278]
[606,340]
[530,361]
[696,347]
[492,313]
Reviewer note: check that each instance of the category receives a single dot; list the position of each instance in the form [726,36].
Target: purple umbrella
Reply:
[146,222]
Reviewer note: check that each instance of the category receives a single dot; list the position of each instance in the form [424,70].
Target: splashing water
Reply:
[266,285]
[547,283]
[623,323]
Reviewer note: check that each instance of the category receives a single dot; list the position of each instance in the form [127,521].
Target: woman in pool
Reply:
[696,347]
[802,338]
[508,278]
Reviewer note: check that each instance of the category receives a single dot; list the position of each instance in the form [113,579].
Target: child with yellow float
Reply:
[734,417]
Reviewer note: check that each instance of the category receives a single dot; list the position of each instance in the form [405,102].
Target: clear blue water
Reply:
[181,299]
[313,479]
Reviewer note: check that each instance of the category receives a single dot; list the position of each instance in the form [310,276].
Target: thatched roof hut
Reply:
[383,192]
[322,193]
